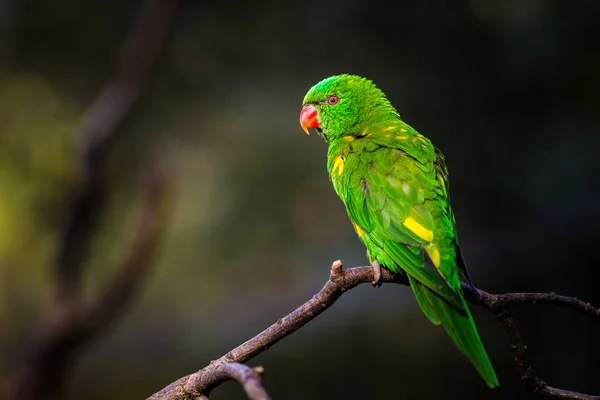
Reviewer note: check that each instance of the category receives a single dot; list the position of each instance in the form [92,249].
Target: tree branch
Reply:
[340,281]
[119,290]
[102,119]
[139,52]
[69,326]
[70,322]
[491,300]
[498,304]
[248,377]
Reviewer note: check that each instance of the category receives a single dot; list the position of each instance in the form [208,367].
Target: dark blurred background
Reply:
[510,91]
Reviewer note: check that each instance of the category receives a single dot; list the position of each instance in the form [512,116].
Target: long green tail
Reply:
[460,326]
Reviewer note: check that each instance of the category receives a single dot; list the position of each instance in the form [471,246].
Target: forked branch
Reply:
[199,384]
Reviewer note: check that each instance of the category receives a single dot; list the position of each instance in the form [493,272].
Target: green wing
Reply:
[395,187]
[393,195]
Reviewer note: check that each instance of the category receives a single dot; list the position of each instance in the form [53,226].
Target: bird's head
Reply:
[344,105]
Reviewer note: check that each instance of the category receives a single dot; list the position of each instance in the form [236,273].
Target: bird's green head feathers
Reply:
[344,105]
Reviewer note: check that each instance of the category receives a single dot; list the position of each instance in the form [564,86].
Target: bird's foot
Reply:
[377,278]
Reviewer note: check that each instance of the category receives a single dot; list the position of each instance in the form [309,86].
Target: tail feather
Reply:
[460,327]
[423,300]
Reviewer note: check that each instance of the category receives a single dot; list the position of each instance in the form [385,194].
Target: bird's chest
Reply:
[337,173]
[339,166]
[347,169]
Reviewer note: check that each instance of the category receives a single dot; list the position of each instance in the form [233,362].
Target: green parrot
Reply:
[394,184]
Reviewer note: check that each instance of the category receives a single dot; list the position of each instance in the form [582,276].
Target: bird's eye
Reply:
[332,100]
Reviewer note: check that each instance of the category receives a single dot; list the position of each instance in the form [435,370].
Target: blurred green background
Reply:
[510,91]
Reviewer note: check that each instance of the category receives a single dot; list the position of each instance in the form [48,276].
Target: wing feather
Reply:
[395,195]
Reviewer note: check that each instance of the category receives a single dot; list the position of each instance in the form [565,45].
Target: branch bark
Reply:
[340,281]
[248,377]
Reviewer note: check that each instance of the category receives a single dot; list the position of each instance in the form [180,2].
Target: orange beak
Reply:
[308,118]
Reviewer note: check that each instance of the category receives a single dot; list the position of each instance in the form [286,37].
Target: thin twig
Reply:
[533,298]
[498,304]
[340,281]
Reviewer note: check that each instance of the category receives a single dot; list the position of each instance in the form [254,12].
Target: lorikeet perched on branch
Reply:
[394,184]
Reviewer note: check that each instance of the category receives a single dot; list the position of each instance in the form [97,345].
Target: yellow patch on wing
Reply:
[418,229]
[434,254]
[421,139]
[350,138]
[389,128]
[402,129]
[359,231]
[338,165]
[401,137]
[364,132]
